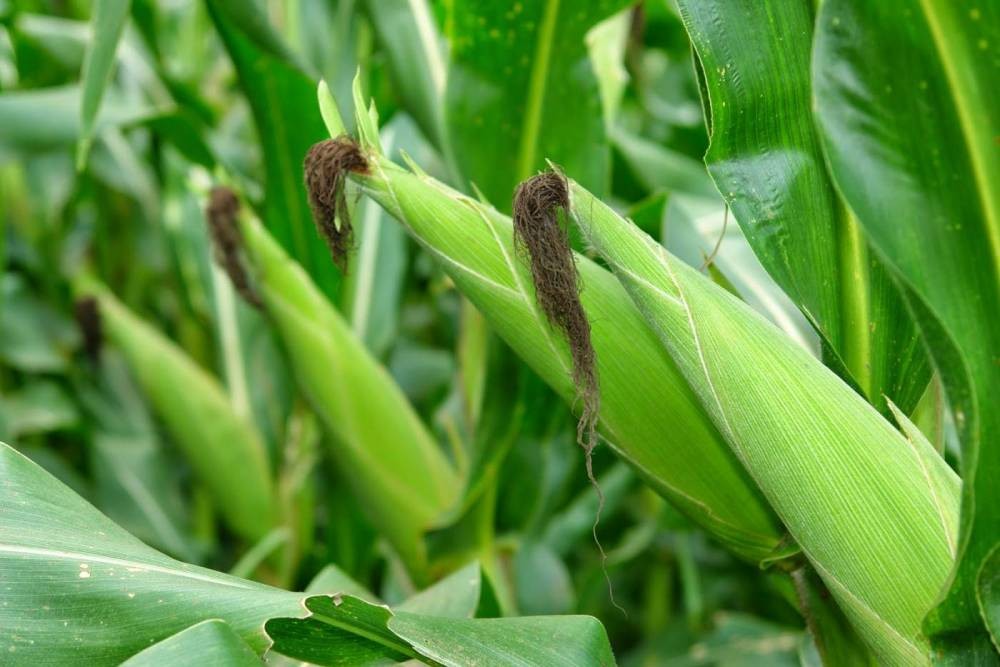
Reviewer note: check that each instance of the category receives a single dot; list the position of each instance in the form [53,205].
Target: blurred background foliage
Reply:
[196,93]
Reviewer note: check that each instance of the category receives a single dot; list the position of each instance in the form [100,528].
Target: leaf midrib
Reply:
[22,550]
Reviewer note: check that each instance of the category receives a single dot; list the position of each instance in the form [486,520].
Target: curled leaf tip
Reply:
[88,319]
[326,167]
[221,212]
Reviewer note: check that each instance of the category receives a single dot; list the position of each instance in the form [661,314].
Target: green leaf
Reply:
[766,159]
[283,101]
[38,407]
[80,590]
[33,336]
[347,629]
[554,641]
[210,642]
[456,596]
[515,68]
[906,107]
[107,23]
[868,508]
[415,53]
[989,594]
[340,630]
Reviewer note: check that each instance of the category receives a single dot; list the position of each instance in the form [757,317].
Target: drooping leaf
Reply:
[210,642]
[79,589]
[556,641]
[515,70]
[906,107]
[107,22]
[766,159]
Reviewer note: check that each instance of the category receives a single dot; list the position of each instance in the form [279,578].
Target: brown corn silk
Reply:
[326,167]
[221,212]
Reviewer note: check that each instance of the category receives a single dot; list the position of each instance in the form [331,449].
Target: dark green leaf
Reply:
[554,641]
[767,162]
[906,107]
[80,590]
[416,56]
[210,642]
[107,22]
[517,70]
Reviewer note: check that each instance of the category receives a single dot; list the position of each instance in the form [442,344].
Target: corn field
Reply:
[468,332]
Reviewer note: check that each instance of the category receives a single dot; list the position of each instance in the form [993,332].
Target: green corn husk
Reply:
[648,413]
[875,514]
[223,448]
[392,462]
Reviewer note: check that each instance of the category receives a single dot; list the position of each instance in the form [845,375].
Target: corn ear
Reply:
[648,413]
[874,512]
[394,465]
[223,448]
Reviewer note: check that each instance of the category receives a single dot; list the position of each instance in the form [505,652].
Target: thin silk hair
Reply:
[539,235]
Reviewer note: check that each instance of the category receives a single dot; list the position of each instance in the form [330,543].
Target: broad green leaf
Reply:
[394,466]
[555,641]
[282,99]
[542,580]
[416,56]
[107,21]
[344,629]
[38,407]
[906,105]
[33,336]
[766,159]
[80,590]
[224,448]
[210,642]
[340,630]
[456,596]
[606,45]
[744,641]
[868,508]
[331,579]
[989,594]
[134,487]
[648,413]
[515,70]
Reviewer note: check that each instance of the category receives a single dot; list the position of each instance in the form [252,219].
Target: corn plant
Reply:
[346,332]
